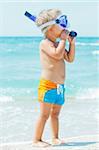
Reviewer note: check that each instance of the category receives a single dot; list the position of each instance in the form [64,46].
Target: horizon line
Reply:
[39,36]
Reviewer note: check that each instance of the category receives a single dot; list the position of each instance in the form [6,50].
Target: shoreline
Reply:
[86,142]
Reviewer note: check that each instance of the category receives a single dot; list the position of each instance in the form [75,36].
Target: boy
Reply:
[51,88]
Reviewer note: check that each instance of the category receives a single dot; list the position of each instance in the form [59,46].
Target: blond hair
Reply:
[46,16]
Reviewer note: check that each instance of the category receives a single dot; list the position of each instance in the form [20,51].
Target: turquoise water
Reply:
[19,78]
[20,67]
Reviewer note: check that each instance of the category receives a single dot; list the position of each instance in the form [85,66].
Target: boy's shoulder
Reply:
[42,42]
[45,43]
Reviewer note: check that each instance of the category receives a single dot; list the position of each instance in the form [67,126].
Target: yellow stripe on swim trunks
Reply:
[44,86]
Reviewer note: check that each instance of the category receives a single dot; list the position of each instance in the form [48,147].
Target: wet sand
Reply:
[87,142]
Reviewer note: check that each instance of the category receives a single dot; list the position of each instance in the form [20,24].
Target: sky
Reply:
[82,15]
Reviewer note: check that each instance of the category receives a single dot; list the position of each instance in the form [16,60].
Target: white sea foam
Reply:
[95,52]
[90,93]
[85,44]
[6,99]
[13,91]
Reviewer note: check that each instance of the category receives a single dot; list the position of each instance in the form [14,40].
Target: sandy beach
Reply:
[87,142]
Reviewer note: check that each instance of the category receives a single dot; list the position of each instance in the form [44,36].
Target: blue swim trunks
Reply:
[51,92]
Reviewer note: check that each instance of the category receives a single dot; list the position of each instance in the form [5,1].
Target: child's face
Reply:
[56,30]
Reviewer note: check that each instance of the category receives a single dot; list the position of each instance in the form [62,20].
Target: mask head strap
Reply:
[61,21]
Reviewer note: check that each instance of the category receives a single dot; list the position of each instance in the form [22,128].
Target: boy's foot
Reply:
[40,144]
[57,141]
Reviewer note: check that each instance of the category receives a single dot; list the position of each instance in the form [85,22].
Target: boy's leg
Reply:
[44,114]
[55,110]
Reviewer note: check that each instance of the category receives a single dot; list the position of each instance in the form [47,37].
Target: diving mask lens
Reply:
[62,21]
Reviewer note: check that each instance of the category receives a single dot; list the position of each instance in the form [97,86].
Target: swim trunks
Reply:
[51,92]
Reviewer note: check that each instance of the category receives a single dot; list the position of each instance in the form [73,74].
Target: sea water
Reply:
[20,71]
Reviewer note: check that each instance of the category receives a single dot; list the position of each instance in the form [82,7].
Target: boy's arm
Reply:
[70,55]
[51,50]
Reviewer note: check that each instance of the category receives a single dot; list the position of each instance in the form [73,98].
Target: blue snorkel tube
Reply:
[33,18]
[27,14]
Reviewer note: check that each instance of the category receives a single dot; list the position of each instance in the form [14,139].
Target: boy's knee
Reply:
[44,116]
[54,114]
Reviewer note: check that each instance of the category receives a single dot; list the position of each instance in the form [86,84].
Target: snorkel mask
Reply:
[61,21]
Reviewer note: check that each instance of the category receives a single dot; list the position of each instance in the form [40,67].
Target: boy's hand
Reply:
[71,40]
[63,35]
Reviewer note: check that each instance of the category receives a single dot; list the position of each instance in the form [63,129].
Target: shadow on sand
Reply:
[77,143]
